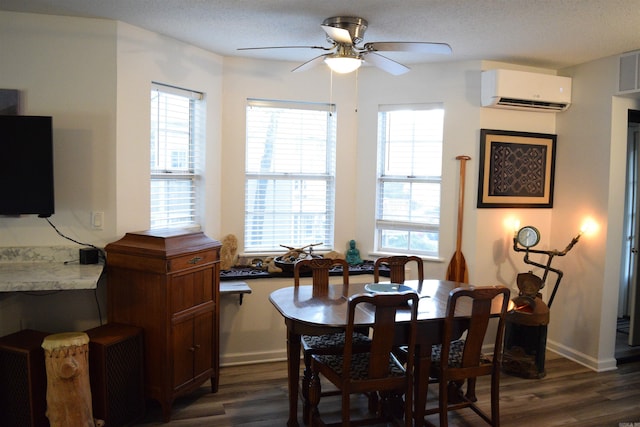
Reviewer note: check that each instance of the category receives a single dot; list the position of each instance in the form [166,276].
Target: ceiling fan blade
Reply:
[339,35]
[286,47]
[418,47]
[310,64]
[385,64]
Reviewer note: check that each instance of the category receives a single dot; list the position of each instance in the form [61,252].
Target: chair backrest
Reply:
[485,302]
[320,268]
[396,266]
[383,330]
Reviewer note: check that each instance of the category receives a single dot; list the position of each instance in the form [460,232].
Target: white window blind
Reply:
[177,134]
[289,176]
[409,178]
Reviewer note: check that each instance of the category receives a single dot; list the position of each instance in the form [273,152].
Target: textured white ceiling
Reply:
[543,33]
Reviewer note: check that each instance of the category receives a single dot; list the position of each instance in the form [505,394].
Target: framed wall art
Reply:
[516,169]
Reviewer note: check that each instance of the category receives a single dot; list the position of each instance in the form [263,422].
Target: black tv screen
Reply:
[26,173]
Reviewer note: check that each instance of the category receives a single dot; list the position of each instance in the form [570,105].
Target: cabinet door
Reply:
[183,351]
[193,348]
[203,344]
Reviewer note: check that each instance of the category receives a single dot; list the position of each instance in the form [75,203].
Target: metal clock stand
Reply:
[526,325]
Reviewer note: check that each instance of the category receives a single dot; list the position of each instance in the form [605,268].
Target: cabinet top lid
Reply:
[167,232]
[167,242]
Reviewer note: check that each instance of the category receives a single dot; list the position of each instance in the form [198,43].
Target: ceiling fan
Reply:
[344,55]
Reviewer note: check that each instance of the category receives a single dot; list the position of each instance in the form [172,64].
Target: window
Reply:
[177,132]
[409,178]
[289,176]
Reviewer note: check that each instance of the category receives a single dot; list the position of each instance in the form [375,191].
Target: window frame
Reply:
[281,177]
[408,226]
[165,211]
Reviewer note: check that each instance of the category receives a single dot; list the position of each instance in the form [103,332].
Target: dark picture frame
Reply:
[516,169]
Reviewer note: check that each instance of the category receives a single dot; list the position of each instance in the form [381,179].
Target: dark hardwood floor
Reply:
[624,352]
[569,395]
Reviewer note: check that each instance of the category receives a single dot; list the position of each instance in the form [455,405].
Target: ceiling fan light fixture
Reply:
[345,55]
[343,64]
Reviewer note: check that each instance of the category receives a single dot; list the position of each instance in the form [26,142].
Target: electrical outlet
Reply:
[97,220]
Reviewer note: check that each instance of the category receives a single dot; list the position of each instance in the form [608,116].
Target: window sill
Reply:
[248,272]
[424,258]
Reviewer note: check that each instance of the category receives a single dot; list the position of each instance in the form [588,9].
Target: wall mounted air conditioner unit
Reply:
[521,90]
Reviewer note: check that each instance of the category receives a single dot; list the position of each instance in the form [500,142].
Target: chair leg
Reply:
[454,391]
[373,402]
[471,390]
[314,391]
[391,406]
[346,408]
[407,406]
[495,399]
[443,402]
[306,379]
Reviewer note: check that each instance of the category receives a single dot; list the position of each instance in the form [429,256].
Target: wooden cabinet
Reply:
[168,283]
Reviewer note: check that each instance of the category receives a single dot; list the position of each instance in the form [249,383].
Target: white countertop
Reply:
[45,268]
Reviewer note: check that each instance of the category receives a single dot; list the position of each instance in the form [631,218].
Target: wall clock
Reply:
[528,236]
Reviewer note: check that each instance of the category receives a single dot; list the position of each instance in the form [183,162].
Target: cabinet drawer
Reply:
[194,259]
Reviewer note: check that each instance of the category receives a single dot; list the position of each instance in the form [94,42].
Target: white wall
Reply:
[93,76]
[498,263]
[245,79]
[145,57]
[487,236]
[457,85]
[591,181]
[255,331]
[454,85]
[65,68]
[583,189]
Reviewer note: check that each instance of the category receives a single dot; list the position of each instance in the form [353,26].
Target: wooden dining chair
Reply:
[376,371]
[330,343]
[463,359]
[397,264]
[320,272]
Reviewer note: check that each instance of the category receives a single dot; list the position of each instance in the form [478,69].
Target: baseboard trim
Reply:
[597,365]
[237,359]
[581,358]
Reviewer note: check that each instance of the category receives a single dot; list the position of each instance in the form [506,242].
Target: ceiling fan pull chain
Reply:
[330,92]
[357,88]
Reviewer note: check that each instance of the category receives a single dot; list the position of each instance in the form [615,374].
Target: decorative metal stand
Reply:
[547,268]
[526,325]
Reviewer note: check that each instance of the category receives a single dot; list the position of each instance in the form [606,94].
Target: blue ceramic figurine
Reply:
[353,254]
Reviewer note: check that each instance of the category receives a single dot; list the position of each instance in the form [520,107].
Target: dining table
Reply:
[307,314]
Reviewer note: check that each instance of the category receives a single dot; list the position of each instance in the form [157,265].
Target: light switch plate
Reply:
[97,220]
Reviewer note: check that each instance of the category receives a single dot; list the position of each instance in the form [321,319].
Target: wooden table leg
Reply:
[421,378]
[293,371]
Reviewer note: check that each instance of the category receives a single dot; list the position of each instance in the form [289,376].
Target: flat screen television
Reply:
[26,170]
